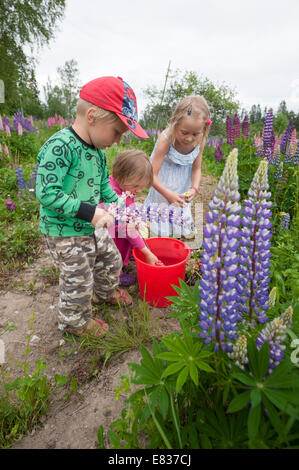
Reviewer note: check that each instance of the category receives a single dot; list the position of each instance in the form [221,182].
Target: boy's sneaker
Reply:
[94,326]
[120,296]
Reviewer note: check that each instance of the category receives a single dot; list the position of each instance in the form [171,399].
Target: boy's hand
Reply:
[102,218]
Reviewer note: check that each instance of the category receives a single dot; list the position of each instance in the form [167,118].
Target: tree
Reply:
[280,123]
[30,22]
[24,23]
[62,97]
[54,100]
[69,79]
[282,108]
[220,98]
[252,114]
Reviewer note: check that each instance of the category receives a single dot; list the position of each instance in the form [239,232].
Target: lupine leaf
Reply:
[253,357]
[239,402]
[278,400]
[193,372]
[256,397]
[182,378]
[254,418]
[263,360]
[173,369]
[169,356]
[203,365]
[174,345]
[273,415]
[164,402]
[244,379]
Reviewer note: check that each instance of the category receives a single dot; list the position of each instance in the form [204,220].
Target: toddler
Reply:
[176,161]
[72,178]
[131,172]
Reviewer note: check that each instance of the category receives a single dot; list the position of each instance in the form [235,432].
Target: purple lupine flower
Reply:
[245,127]
[285,221]
[20,178]
[218,153]
[286,138]
[275,334]
[296,156]
[291,147]
[254,250]
[218,305]
[10,204]
[20,120]
[229,131]
[126,279]
[236,126]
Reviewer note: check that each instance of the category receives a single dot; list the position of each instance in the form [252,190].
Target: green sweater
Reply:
[72,178]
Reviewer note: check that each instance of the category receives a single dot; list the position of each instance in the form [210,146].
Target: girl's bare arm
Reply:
[160,152]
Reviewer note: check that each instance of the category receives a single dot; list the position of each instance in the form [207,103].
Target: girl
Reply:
[132,172]
[176,161]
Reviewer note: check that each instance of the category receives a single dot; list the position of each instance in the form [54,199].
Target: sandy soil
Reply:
[28,314]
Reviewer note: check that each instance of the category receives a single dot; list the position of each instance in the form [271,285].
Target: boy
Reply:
[72,178]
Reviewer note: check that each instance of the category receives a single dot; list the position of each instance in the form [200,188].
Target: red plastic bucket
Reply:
[155,282]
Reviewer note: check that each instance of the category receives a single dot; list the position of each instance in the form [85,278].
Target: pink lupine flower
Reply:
[1,124]
[7,131]
[6,151]
[20,129]
[293,142]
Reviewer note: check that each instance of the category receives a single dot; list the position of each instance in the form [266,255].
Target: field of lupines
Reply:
[229,378]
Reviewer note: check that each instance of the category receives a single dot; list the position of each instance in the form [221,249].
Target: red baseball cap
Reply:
[114,94]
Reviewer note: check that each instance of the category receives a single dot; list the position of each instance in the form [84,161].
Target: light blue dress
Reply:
[175,174]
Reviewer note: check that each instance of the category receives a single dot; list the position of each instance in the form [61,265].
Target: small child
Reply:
[132,172]
[72,178]
[176,161]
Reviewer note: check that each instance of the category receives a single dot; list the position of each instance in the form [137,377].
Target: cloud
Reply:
[250,46]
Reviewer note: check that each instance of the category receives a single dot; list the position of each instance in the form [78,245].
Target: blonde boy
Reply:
[72,178]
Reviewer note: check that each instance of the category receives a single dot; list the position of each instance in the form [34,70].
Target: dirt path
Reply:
[28,314]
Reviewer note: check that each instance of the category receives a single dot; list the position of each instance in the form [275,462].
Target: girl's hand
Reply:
[189,195]
[150,258]
[176,199]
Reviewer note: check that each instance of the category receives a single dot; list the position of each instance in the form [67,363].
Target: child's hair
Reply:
[192,105]
[98,114]
[133,165]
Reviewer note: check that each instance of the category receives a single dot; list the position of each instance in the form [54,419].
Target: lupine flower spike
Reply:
[239,352]
[254,247]
[275,333]
[218,306]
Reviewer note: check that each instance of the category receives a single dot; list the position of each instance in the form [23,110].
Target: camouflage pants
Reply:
[87,264]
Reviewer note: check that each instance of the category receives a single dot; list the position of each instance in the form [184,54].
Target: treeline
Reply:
[282,117]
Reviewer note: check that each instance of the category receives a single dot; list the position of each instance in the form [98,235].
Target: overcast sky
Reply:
[251,46]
